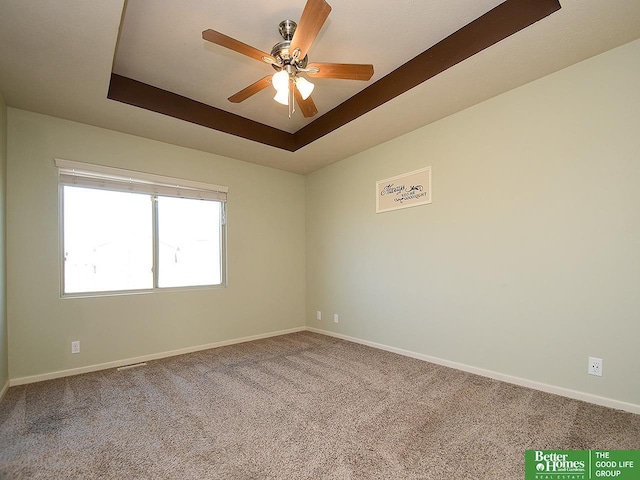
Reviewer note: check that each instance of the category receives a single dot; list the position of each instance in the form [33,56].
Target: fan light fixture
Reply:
[282,81]
[282,97]
[304,86]
[289,59]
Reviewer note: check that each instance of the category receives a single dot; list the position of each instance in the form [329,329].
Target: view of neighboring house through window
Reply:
[189,242]
[121,234]
[107,240]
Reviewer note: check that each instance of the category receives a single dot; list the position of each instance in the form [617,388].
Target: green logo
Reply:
[581,464]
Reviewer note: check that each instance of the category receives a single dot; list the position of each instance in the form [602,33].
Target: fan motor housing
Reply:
[280,52]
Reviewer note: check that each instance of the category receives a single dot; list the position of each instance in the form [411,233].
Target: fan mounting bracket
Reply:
[287,28]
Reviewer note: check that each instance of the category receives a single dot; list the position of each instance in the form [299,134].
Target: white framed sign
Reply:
[403,191]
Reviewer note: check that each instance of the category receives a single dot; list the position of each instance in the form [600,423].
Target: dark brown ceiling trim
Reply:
[506,19]
[497,24]
[132,92]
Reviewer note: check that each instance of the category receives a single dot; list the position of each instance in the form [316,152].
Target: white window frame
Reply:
[73,173]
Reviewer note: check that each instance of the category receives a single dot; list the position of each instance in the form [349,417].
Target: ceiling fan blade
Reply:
[346,71]
[237,46]
[252,89]
[307,107]
[314,15]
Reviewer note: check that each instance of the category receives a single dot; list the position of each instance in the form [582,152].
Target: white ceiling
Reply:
[56,58]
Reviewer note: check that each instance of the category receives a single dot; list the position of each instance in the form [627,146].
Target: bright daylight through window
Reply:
[121,233]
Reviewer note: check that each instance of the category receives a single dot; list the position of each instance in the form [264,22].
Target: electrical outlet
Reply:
[75,346]
[318,315]
[335,318]
[595,366]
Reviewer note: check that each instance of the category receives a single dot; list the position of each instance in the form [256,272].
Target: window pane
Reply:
[107,241]
[189,242]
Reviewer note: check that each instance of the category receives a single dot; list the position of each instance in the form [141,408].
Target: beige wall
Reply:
[4,355]
[525,264]
[266,225]
[528,260]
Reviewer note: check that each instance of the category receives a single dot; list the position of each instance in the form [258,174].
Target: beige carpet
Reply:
[300,406]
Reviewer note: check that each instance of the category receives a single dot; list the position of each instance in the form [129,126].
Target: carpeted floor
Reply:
[299,406]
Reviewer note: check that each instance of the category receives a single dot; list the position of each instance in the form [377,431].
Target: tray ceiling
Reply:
[58,58]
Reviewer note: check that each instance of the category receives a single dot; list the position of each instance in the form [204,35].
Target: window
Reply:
[107,240]
[126,231]
[189,248]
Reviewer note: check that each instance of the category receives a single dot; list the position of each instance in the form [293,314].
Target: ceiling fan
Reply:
[289,59]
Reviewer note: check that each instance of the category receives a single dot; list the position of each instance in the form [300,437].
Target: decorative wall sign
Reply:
[403,191]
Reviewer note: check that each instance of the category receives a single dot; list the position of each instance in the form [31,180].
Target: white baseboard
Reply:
[565,392]
[4,390]
[144,358]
